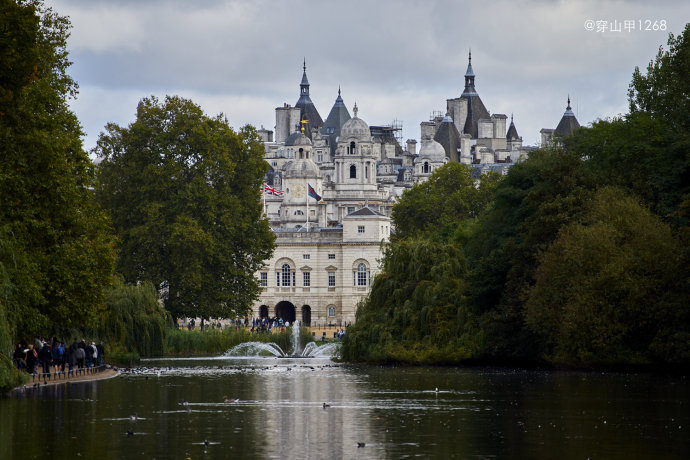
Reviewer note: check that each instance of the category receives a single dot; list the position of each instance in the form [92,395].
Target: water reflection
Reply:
[312,408]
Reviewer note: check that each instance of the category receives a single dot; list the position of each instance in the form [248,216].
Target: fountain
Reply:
[273,350]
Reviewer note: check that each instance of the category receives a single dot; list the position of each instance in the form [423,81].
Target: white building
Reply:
[337,181]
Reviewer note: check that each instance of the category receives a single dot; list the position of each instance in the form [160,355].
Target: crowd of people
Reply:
[263,324]
[55,355]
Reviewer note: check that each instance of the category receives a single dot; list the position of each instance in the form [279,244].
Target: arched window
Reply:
[352,148]
[426,167]
[301,152]
[366,172]
[285,271]
[331,310]
[299,213]
[361,274]
[353,172]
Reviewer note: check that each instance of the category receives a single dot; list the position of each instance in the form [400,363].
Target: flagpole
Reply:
[307,206]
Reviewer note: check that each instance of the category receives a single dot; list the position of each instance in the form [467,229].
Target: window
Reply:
[350,209]
[362,275]
[426,167]
[366,172]
[299,213]
[277,278]
[331,310]
[360,229]
[352,148]
[353,172]
[331,279]
[319,158]
[275,163]
[306,256]
[330,130]
[331,256]
[306,279]
[285,269]
[263,280]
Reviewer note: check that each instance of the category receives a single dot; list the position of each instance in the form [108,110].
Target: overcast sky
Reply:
[397,59]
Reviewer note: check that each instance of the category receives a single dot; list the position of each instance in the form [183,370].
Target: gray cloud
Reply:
[396,59]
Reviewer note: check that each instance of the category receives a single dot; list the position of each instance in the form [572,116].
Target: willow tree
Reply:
[183,190]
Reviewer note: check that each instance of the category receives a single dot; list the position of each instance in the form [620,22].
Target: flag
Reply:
[313,194]
[271,191]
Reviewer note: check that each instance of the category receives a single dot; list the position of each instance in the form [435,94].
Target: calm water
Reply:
[395,412]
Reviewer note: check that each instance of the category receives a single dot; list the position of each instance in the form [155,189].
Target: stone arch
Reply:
[285,310]
[263,311]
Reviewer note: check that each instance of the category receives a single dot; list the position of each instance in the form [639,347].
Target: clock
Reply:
[299,190]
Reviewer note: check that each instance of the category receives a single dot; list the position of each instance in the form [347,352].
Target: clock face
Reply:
[299,190]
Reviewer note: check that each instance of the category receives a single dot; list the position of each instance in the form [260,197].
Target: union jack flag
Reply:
[271,191]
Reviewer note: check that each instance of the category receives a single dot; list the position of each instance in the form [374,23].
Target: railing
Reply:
[64,375]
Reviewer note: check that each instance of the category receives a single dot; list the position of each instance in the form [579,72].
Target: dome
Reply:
[356,128]
[297,138]
[432,150]
[302,168]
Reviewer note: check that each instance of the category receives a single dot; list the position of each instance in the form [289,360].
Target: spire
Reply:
[339,99]
[355,110]
[568,109]
[568,122]
[469,79]
[304,86]
[512,131]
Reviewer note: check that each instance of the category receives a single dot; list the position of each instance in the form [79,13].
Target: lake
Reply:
[215,408]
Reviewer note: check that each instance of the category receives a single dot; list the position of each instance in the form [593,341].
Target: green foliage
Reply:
[665,91]
[183,191]
[641,154]
[123,359]
[182,342]
[135,320]
[437,205]
[607,288]
[531,204]
[10,377]
[57,249]
[415,311]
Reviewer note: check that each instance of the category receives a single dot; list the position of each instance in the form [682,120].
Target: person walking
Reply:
[101,353]
[31,359]
[19,357]
[45,356]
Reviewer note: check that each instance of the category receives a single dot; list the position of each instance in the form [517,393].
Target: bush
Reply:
[123,359]
[181,342]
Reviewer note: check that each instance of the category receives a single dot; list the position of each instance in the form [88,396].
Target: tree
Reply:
[665,91]
[532,203]
[58,250]
[607,289]
[416,311]
[437,205]
[183,190]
